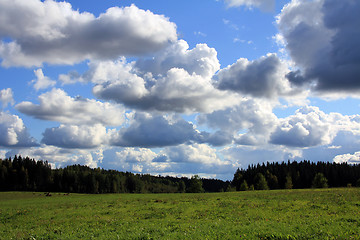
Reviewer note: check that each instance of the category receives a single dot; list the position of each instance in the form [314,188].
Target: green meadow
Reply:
[276,214]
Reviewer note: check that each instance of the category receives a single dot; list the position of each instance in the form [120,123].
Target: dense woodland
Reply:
[304,174]
[25,174]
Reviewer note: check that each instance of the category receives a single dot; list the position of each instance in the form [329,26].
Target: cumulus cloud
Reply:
[56,105]
[53,32]
[243,156]
[201,60]
[138,160]
[176,160]
[311,127]
[42,81]
[264,5]
[196,159]
[322,39]
[70,136]
[13,132]
[264,77]
[154,131]
[253,116]
[176,80]
[59,157]
[348,158]
[6,97]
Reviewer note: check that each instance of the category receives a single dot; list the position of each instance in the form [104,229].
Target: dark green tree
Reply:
[244,186]
[288,182]
[181,186]
[320,181]
[272,180]
[195,185]
[260,182]
[236,182]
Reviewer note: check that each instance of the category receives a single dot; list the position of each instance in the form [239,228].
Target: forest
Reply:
[26,174]
[297,175]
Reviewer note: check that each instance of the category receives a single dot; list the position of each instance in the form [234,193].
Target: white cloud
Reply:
[135,159]
[254,116]
[53,32]
[264,5]
[3,154]
[311,127]
[56,105]
[6,97]
[70,136]
[58,157]
[348,158]
[42,81]
[176,80]
[13,132]
[243,156]
[201,60]
[195,159]
[177,160]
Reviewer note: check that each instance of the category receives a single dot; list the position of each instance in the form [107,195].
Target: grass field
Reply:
[293,214]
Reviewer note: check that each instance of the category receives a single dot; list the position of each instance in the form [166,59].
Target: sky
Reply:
[180,88]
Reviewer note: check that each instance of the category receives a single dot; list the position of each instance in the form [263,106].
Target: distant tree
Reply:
[320,181]
[181,186]
[230,188]
[195,185]
[237,179]
[288,182]
[272,180]
[358,183]
[244,186]
[260,182]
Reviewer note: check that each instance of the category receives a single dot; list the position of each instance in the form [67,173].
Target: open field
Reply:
[282,214]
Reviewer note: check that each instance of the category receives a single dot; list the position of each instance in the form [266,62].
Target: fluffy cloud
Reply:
[136,159]
[193,159]
[311,127]
[265,5]
[175,80]
[70,136]
[264,77]
[53,32]
[42,81]
[201,60]
[56,105]
[6,97]
[348,158]
[176,161]
[13,132]
[243,156]
[154,131]
[251,115]
[59,157]
[322,39]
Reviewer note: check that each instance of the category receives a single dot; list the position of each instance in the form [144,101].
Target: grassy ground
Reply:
[295,214]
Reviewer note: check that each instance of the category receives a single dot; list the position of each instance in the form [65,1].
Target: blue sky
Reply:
[180,87]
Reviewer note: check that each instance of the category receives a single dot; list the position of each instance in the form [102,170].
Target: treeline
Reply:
[25,174]
[288,175]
